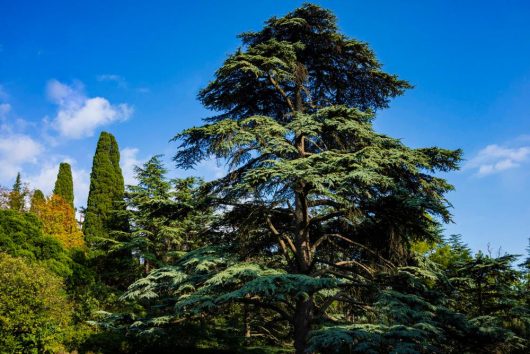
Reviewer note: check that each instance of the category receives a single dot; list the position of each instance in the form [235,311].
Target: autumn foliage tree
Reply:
[58,220]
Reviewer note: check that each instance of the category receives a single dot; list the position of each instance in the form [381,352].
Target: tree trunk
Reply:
[304,307]
[302,324]
[246,321]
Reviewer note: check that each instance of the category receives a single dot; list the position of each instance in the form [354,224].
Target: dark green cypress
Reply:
[106,191]
[37,199]
[64,185]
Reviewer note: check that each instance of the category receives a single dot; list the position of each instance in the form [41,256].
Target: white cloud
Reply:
[494,159]
[128,160]
[15,151]
[78,115]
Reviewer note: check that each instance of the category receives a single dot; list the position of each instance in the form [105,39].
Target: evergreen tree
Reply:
[37,200]
[315,199]
[166,215]
[106,191]
[17,195]
[64,185]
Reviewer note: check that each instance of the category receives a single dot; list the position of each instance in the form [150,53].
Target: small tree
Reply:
[165,215]
[18,194]
[37,200]
[58,220]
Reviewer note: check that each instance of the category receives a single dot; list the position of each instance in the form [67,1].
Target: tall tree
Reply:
[106,191]
[17,195]
[64,185]
[315,199]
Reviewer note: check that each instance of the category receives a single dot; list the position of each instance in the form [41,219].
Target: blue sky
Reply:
[71,69]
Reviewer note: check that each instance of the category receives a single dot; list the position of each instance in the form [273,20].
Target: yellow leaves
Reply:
[58,219]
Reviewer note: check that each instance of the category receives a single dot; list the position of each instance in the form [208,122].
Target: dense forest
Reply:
[324,236]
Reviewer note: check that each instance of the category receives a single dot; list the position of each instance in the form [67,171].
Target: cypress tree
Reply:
[106,190]
[64,185]
[37,199]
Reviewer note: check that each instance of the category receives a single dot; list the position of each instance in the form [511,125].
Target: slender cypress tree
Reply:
[64,185]
[37,199]
[106,191]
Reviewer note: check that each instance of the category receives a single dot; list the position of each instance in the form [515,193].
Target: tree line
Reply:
[324,236]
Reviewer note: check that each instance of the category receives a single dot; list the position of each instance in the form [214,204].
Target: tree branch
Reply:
[282,92]
[360,245]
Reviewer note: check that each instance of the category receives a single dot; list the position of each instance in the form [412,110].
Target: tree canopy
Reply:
[321,191]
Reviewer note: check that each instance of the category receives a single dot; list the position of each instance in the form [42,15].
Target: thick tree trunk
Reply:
[302,324]
[303,315]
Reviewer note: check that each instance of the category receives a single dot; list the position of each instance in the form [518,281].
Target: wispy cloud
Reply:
[119,80]
[495,158]
[79,116]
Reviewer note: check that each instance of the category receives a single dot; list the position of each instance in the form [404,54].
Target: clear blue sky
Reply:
[69,69]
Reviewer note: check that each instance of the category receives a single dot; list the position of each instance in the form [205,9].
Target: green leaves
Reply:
[106,192]
[35,314]
[64,185]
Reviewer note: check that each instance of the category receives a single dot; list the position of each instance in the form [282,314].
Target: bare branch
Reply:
[280,235]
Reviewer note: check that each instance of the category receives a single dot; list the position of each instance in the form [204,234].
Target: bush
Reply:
[21,235]
[35,314]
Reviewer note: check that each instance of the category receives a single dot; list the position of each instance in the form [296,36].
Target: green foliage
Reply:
[324,236]
[37,200]
[166,216]
[313,192]
[35,314]
[106,192]
[17,196]
[414,313]
[21,236]
[64,185]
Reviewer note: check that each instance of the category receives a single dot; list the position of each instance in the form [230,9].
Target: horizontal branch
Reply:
[360,245]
